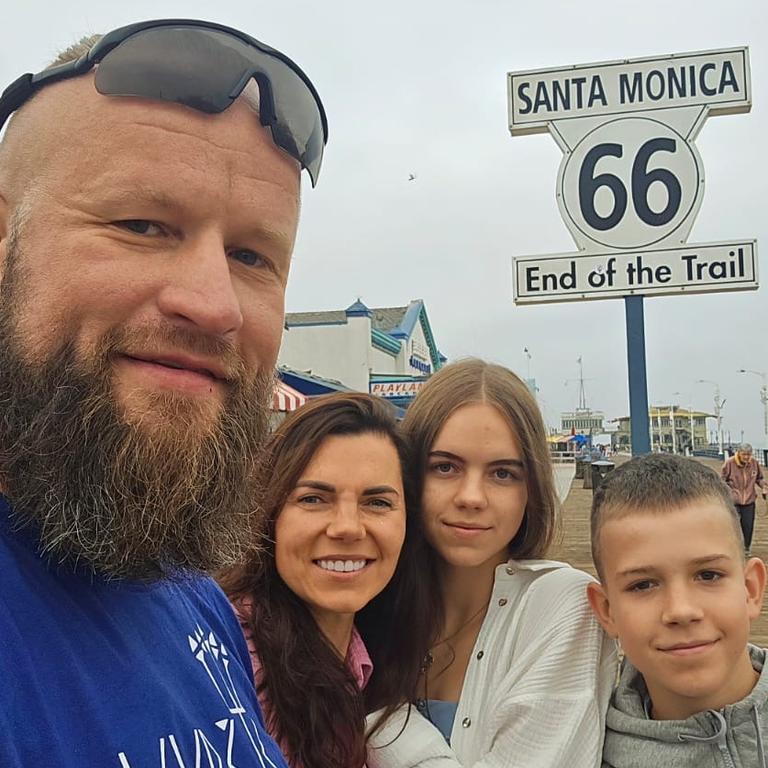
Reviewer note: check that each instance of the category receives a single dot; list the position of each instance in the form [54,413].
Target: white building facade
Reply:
[388,351]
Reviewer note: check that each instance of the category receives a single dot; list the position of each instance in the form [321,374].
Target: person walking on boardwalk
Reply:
[743,475]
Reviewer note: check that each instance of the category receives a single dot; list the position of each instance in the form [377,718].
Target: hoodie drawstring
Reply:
[760,749]
[719,737]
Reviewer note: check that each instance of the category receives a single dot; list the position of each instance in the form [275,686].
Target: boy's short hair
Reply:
[656,482]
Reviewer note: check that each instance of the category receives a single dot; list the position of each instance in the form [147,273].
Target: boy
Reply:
[679,596]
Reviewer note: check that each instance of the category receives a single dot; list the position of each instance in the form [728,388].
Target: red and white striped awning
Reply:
[287,398]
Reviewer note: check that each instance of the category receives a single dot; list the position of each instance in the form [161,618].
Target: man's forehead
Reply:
[73,112]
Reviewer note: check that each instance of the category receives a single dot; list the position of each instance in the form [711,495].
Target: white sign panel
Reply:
[631,180]
[703,268]
[715,79]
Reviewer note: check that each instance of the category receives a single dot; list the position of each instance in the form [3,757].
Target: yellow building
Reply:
[660,419]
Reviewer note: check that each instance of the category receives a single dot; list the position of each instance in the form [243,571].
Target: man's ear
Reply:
[601,607]
[754,582]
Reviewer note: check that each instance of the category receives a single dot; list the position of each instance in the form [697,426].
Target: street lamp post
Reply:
[763,400]
[689,397]
[671,419]
[658,424]
[672,424]
[718,412]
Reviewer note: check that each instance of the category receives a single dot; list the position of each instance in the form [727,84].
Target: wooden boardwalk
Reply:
[572,544]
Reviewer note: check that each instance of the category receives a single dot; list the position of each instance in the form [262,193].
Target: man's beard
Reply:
[145,497]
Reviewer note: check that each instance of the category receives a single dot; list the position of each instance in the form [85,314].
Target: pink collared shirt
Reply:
[357,660]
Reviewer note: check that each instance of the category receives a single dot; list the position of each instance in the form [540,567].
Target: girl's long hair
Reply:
[314,708]
[476,381]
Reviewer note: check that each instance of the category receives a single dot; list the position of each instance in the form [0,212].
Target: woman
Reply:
[336,509]
[518,673]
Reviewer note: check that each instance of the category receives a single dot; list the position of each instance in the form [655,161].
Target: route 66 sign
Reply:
[631,179]
[630,183]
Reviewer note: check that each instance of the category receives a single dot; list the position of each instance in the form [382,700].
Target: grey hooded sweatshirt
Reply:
[733,737]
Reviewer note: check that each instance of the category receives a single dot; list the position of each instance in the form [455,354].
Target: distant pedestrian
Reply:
[744,475]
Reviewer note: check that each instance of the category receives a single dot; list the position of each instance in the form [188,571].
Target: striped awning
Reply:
[286,398]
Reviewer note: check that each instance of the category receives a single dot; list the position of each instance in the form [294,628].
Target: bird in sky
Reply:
[411,177]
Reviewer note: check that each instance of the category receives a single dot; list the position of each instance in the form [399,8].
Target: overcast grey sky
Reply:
[419,87]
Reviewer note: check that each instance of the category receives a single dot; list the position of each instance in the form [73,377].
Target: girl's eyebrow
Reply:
[445,455]
[507,462]
[494,463]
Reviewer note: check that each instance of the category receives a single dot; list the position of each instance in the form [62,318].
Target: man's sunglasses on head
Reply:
[202,65]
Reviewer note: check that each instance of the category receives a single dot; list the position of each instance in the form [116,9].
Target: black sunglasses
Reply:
[201,65]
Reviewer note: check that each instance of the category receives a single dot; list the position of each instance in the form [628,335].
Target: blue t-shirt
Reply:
[441,714]
[97,674]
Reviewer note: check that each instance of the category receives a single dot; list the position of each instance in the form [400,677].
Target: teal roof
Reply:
[389,325]
[416,313]
[358,309]
[384,342]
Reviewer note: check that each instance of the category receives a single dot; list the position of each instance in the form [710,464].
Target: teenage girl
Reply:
[518,672]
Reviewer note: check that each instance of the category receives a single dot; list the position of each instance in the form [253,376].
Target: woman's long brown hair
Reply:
[316,711]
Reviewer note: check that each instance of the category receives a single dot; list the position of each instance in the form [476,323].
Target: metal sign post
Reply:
[638,380]
[630,186]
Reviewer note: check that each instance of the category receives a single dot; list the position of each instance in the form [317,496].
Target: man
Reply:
[744,475]
[148,209]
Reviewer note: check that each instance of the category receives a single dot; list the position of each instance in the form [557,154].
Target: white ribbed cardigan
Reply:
[536,689]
